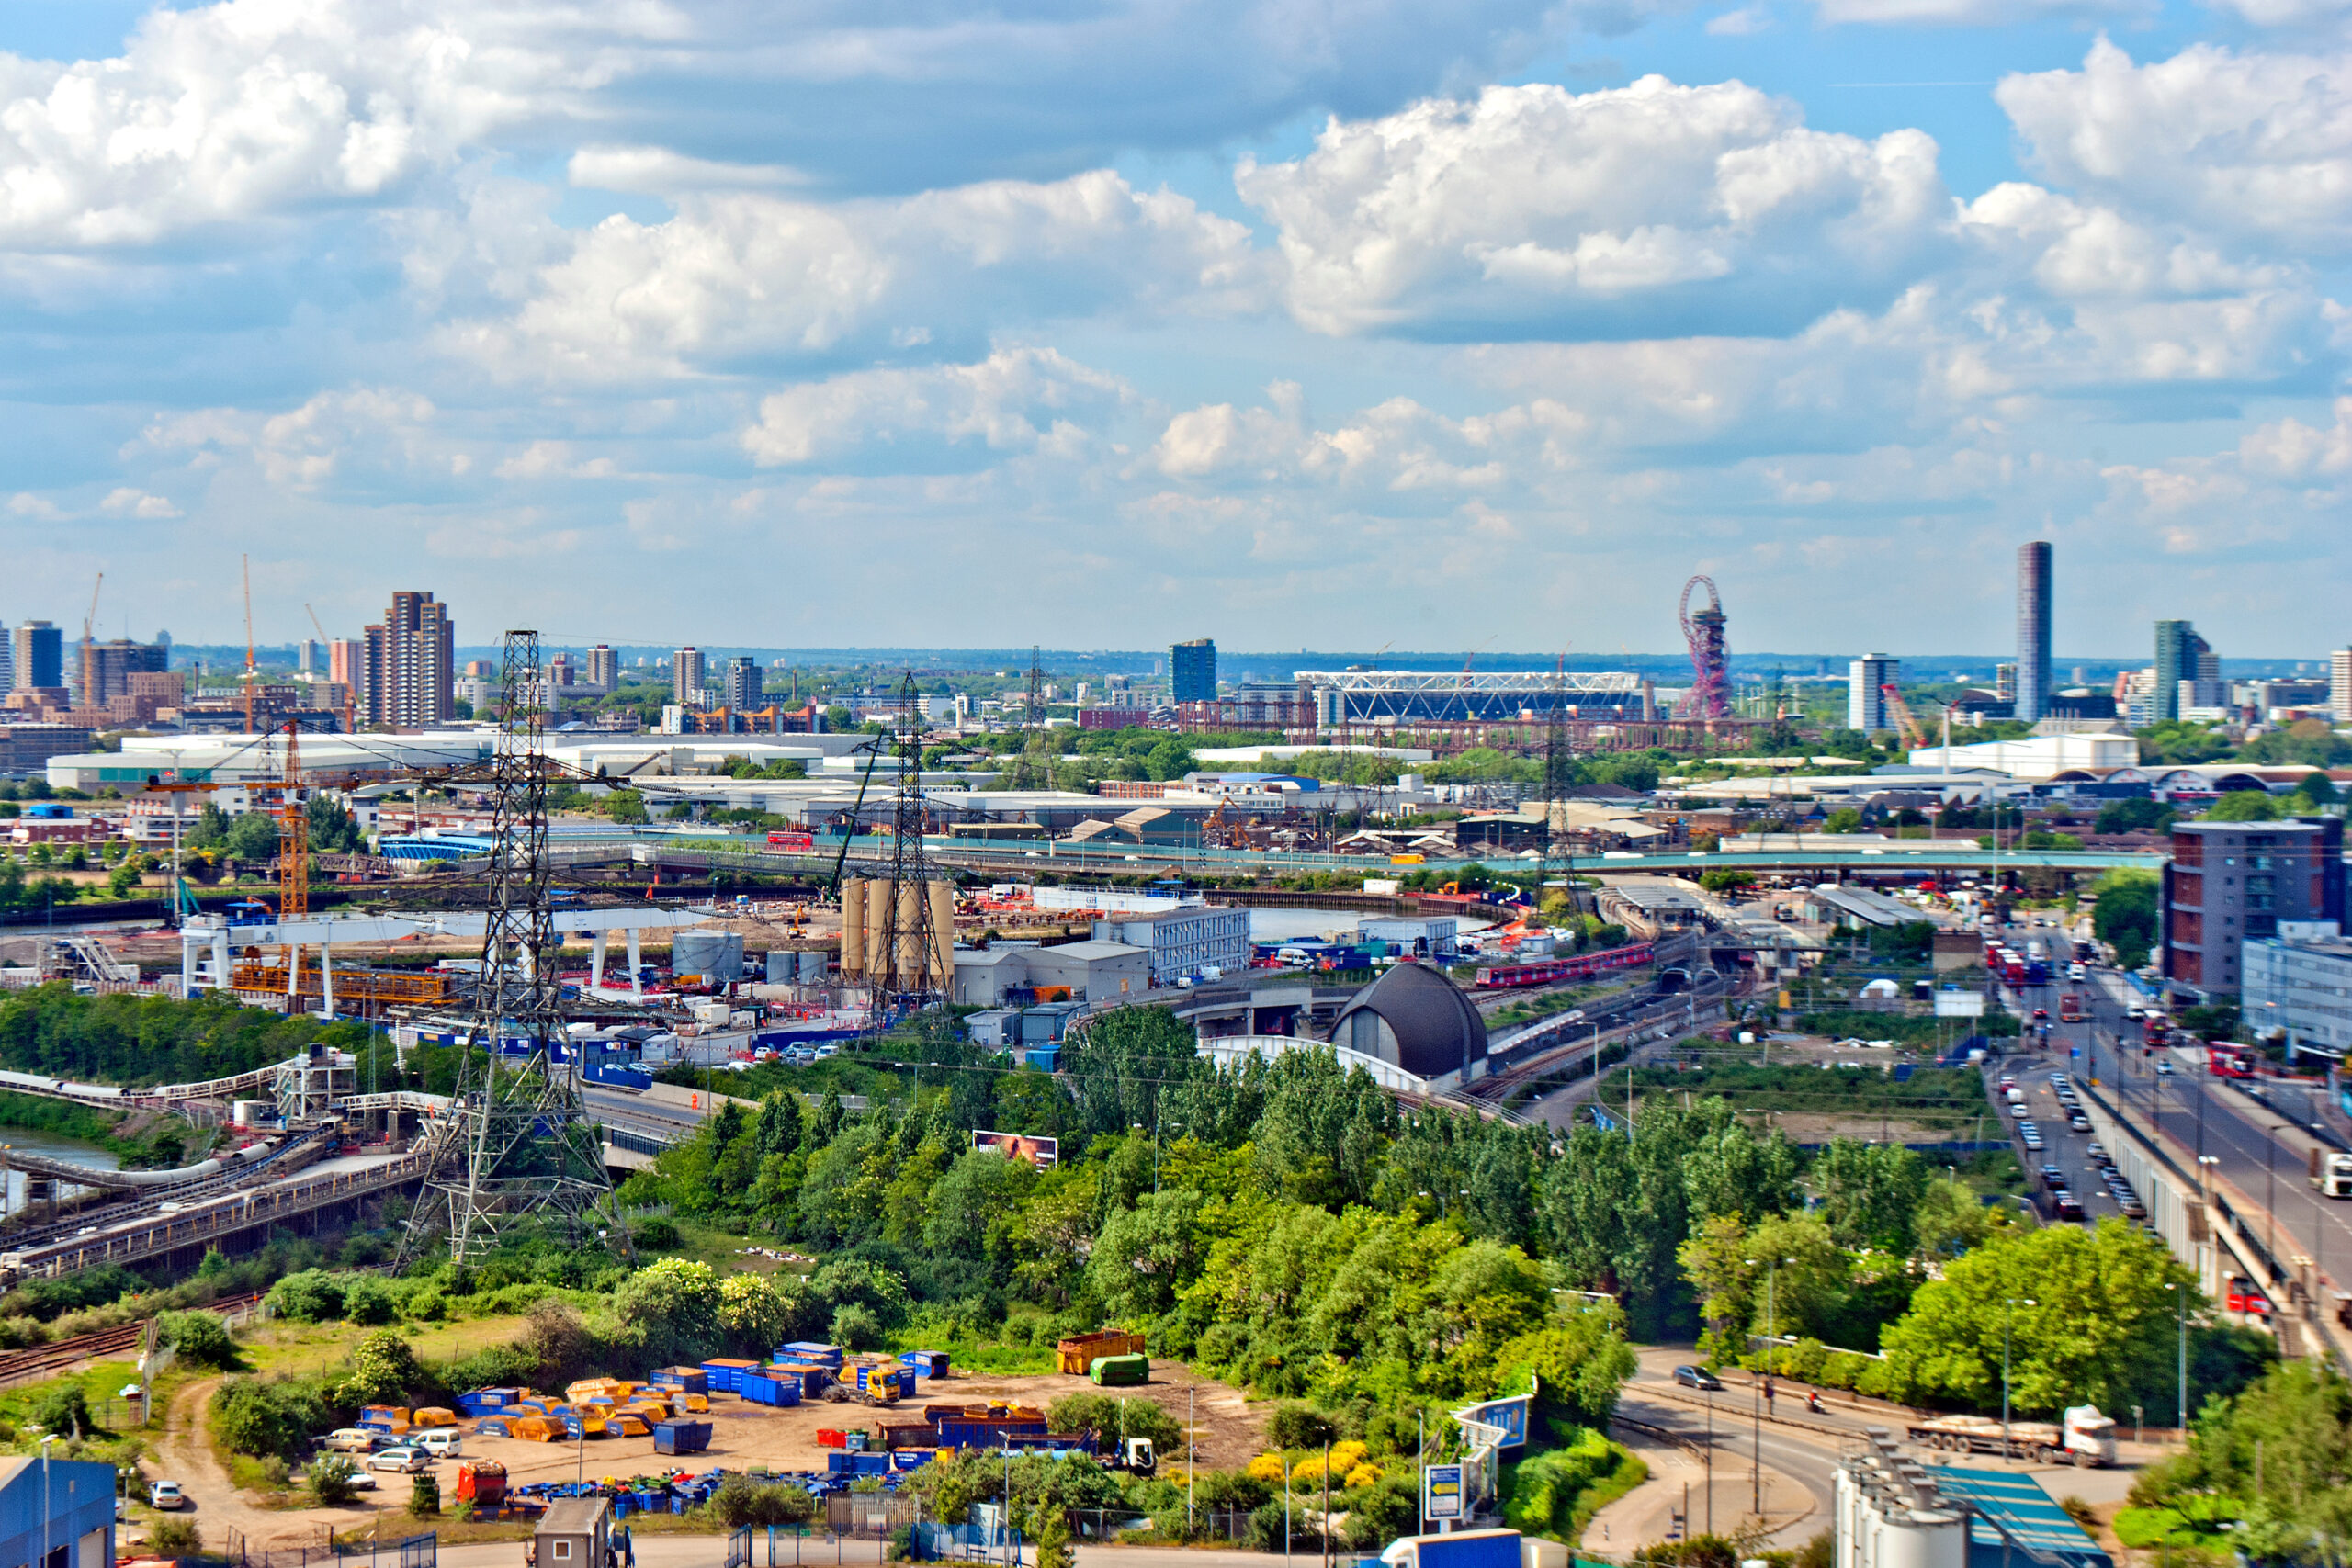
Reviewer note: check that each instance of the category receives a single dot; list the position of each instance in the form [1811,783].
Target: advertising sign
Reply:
[1042,1152]
[1959,1004]
[1441,1492]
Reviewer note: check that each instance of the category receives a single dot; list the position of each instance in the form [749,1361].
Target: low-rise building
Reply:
[1184,943]
[2300,981]
[65,1506]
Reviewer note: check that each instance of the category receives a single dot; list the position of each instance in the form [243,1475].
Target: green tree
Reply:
[62,1409]
[2099,1332]
[1845,820]
[2316,789]
[1870,1193]
[625,806]
[671,1308]
[384,1370]
[2126,914]
[2132,816]
[251,837]
[2243,806]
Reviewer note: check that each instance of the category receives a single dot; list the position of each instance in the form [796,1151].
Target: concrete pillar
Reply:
[293,977]
[635,976]
[187,963]
[326,975]
[597,960]
[220,959]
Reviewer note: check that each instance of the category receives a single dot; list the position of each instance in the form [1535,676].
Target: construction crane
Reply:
[1913,736]
[89,642]
[1472,658]
[349,728]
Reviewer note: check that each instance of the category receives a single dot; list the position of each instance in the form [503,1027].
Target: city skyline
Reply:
[1499,318]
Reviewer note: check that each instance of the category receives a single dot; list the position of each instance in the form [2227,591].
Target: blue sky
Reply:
[1104,322]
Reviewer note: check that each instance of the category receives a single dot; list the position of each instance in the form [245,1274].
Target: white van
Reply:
[441,1443]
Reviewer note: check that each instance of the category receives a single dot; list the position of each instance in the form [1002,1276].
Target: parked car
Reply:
[1697,1377]
[402,1458]
[351,1440]
[2053,1179]
[2069,1207]
[166,1494]
[442,1442]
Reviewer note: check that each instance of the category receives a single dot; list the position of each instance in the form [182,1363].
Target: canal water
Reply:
[49,1146]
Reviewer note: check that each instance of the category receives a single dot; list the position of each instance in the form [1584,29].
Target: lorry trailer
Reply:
[2084,1437]
[2332,1173]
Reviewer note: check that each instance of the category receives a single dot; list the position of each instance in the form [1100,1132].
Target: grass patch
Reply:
[1943,1097]
[284,1346]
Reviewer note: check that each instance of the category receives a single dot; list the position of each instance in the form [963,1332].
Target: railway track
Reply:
[40,1359]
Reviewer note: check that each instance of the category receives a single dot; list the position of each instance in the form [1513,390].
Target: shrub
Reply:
[383,1368]
[1299,1427]
[740,1501]
[1542,1492]
[1101,1414]
[368,1300]
[856,1327]
[201,1339]
[63,1408]
[311,1296]
[331,1480]
[257,1417]
[424,1494]
[174,1538]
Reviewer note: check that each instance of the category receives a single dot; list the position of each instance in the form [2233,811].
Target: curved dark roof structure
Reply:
[1417,1017]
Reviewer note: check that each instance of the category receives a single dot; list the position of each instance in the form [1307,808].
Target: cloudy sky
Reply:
[1102,323]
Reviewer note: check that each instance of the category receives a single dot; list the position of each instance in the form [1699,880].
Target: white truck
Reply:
[2084,1437]
[2332,1173]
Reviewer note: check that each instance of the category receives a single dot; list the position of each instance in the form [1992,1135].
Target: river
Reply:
[49,1145]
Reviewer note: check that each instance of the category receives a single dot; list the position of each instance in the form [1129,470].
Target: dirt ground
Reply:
[1229,1430]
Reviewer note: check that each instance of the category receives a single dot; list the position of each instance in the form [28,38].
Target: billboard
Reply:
[1508,1415]
[1441,1492]
[1042,1152]
[1959,1004]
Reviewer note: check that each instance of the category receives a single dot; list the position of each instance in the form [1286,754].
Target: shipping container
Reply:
[810,1350]
[811,1377]
[693,1380]
[723,1372]
[1120,1371]
[1075,1358]
[926,1363]
[681,1437]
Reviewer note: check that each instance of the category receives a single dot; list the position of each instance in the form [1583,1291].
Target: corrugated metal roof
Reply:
[2017,1507]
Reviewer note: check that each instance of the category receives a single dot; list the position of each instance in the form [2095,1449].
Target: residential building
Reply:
[2339,685]
[347,664]
[1184,943]
[2005,685]
[1866,706]
[603,668]
[107,667]
[2300,981]
[1191,672]
[307,655]
[744,683]
[65,1507]
[2231,883]
[2033,681]
[1114,718]
[27,748]
[2187,672]
[39,657]
[407,665]
[686,679]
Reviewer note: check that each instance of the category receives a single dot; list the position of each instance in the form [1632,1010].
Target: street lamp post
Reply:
[2180,1368]
[2006,1305]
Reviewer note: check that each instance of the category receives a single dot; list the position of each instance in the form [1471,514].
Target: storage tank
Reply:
[782,967]
[717,956]
[853,927]
[812,966]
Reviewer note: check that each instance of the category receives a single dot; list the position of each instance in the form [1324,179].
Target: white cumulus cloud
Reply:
[1534,207]
[1015,401]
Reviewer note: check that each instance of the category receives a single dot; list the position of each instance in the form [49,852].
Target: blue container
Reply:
[810,1350]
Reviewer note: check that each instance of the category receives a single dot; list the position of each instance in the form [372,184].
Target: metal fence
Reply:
[409,1551]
